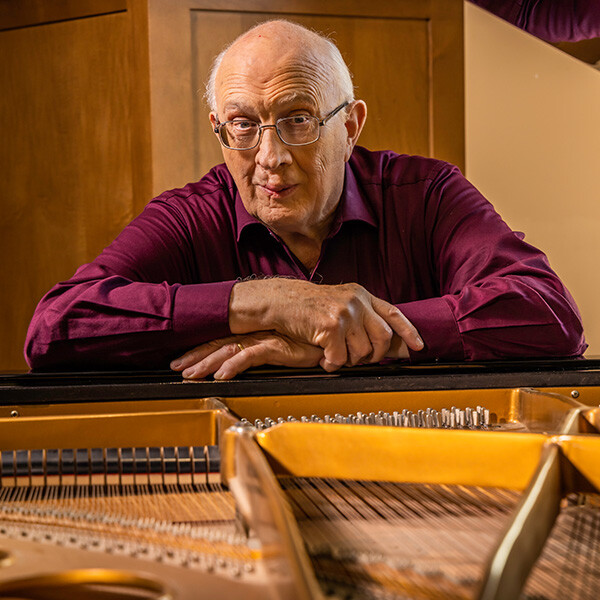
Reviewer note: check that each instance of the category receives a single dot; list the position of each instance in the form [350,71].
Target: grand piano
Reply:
[476,480]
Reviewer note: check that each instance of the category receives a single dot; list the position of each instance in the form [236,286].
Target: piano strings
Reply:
[411,540]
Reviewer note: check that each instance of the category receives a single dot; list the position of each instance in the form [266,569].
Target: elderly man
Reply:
[303,249]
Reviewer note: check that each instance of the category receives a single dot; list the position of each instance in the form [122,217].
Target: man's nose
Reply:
[272,152]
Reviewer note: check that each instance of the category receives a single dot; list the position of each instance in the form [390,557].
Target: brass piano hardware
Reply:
[430,418]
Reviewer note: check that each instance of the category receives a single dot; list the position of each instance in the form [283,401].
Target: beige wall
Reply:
[533,148]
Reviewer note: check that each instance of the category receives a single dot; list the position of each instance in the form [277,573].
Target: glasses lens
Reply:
[239,134]
[299,129]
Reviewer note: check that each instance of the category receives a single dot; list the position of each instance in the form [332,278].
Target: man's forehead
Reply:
[284,82]
[295,98]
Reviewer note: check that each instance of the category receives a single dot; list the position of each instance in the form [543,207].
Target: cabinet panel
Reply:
[66,186]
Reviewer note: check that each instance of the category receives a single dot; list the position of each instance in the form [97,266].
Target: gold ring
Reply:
[240,346]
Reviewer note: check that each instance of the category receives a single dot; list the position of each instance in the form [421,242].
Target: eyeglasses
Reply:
[297,130]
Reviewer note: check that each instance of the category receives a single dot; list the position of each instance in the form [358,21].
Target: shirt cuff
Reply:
[438,329]
[201,311]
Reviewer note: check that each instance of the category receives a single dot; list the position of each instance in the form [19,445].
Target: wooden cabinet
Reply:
[102,108]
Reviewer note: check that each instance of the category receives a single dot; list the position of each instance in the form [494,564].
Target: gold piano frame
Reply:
[553,451]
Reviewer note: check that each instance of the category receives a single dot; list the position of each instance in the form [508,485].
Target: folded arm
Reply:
[497,295]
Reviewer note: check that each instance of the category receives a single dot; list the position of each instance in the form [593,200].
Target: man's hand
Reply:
[231,355]
[351,325]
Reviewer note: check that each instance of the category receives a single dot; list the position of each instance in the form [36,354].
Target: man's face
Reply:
[292,189]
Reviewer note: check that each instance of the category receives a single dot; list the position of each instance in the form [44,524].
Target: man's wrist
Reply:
[250,306]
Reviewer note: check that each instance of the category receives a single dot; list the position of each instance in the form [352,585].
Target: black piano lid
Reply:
[40,387]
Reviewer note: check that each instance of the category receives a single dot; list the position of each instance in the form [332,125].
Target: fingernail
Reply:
[175,364]
[188,372]
[420,343]
[218,375]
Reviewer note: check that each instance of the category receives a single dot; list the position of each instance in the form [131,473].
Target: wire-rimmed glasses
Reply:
[297,130]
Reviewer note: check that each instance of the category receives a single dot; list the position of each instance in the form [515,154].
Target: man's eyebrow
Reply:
[236,106]
[297,98]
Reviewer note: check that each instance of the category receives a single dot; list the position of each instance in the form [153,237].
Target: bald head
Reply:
[318,56]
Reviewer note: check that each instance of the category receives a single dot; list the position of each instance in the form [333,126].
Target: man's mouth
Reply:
[277,191]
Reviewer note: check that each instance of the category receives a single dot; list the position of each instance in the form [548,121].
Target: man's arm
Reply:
[498,297]
[346,321]
[138,305]
[143,301]
[299,324]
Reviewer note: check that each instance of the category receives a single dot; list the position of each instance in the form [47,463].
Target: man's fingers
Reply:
[251,355]
[228,357]
[399,323]
[335,352]
[380,335]
[211,363]
[194,356]
[360,346]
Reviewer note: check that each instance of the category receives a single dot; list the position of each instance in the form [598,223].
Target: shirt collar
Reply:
[352,207]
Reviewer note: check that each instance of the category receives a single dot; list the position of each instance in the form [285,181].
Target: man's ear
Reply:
[213,119]
[355,120]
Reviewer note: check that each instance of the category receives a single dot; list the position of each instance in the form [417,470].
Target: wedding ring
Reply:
[240,346]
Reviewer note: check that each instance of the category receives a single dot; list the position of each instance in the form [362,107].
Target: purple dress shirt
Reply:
[550,20]
[411,230]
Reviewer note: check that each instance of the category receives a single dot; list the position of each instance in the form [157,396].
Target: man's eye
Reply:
[240,126]
[299,120]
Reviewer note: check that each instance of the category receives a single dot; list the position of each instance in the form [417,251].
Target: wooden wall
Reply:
[102,108]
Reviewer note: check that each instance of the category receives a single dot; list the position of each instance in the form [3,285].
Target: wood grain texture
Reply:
[65,156]
[25,13]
